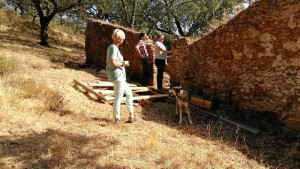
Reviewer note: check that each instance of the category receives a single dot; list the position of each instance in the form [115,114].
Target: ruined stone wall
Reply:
[254,58]
[98,38]
[179,62]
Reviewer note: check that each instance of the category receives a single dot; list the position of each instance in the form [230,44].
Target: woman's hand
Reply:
[126,63]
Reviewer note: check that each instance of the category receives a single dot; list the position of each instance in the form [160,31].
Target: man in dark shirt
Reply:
[142,51]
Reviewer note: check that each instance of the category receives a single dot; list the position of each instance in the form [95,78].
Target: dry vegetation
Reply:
[47,123]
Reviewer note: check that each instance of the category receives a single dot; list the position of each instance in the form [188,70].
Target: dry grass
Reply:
[46,123]
[7,65]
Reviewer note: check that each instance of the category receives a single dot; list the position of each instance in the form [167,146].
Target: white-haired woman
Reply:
[115,67]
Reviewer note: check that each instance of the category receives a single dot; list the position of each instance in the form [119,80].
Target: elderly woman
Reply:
[115,67]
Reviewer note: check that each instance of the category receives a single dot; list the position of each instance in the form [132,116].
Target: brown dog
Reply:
[183,98]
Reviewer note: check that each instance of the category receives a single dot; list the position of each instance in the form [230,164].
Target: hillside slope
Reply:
[47,123]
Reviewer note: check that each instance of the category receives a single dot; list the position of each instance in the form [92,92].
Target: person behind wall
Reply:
[160,52]
[115,67]
[142,51]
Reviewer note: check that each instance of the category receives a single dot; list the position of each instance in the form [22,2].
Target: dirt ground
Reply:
[33,139]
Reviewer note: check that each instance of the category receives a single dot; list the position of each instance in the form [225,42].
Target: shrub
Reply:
[60,58]
[53,100]
[3,16]
[7,65]
[28,89]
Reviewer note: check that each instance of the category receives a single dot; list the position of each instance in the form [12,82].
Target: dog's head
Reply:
[182,93]
[174,91]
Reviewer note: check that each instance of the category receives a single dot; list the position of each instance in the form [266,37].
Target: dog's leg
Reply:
[189,115]
[177,106]
[180,115]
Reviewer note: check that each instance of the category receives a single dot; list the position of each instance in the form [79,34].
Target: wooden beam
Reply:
[98,95]
[201,102]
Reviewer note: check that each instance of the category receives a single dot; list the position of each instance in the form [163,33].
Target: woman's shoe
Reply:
[131,119]
[118,121]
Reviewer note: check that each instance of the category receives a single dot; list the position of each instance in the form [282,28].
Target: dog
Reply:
[183,98]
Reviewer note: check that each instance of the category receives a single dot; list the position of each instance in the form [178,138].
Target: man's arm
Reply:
[137,47]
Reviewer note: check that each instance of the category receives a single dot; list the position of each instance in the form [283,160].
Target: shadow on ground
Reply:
[54,149]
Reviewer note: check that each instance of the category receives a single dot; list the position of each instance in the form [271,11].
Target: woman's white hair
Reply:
[118,34]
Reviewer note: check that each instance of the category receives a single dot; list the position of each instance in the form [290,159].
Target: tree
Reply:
[124,12]
[24,7]
[47,9]
[100,9]
[173,17]
[186,17]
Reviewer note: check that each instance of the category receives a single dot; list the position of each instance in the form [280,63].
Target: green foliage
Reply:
[7,65]
[173,17]
[186,18]
[168,41]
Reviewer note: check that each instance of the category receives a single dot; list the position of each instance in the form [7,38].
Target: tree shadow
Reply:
[55,149]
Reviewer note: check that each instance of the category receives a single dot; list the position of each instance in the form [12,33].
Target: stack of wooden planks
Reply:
[104,91]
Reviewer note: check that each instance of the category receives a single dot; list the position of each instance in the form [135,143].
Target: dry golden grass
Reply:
[47,123]
[7,65]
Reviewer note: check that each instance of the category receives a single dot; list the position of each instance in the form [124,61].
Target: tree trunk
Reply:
[44,33]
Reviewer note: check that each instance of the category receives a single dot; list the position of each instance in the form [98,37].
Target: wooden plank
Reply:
[98,95]
[134,90]
[103,91]
[201,102]
[110,98]
[111,84]
[140,88]
[100,84]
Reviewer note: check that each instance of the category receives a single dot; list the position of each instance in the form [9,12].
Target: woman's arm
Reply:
[116,63]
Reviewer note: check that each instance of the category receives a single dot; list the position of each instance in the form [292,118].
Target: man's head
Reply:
[142,35]
[160,37]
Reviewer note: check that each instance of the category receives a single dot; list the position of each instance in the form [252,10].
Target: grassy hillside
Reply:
[47,123]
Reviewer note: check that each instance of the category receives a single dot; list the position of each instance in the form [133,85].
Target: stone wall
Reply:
[254,58]
[98,38]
